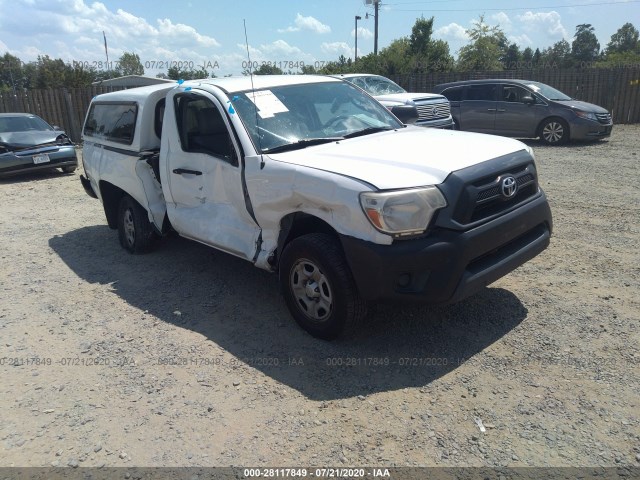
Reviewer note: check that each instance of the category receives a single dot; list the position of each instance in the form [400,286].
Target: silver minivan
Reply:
[524,109]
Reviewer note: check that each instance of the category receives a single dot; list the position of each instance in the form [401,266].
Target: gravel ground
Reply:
[188,357]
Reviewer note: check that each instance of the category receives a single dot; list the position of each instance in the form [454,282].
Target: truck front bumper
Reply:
[446,265]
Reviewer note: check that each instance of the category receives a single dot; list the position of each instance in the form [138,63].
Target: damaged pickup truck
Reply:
[310,177]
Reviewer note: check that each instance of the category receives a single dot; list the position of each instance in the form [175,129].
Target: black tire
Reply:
[68,168]
[134,229]
[554,131]
[318,286]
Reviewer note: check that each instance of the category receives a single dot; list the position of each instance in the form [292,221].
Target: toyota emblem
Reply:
[509,187]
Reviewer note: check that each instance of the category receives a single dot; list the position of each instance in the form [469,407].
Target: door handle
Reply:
[501,110]
[181,171]
[491,109]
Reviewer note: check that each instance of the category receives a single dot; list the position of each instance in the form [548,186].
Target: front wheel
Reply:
[554,131]
[134,229]
[318,287]
[68,168]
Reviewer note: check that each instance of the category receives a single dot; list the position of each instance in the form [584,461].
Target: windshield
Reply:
[308,114]
[376,85]
[22,124]
[547,91]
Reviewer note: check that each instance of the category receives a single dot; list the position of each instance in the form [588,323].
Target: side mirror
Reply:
[528,99]
[405,113]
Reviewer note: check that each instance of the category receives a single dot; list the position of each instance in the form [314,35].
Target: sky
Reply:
[287,33]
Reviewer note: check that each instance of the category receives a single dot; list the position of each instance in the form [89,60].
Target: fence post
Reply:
[71,118]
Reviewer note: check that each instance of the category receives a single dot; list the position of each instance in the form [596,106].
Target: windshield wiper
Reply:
[305,142]
[367,131]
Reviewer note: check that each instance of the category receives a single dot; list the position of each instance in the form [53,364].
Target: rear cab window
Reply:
[112,121]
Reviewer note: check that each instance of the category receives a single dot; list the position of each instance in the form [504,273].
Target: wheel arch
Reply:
[111,196]
[297,224]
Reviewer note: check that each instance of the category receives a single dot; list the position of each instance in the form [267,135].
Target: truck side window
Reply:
[202,128]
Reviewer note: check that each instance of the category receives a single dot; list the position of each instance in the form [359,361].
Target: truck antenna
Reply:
[253,92]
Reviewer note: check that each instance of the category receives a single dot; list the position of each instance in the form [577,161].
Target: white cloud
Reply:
[548,23]
[503,20]
[337,48]
[522,40]
[363,33]
[72,30]
[306,23]
[453,31]
[283,55]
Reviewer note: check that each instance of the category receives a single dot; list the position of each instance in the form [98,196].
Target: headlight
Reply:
[529,149]
[403,212]
[587,115]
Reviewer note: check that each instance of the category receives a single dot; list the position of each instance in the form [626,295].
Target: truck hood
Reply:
[409,98]
[410,157]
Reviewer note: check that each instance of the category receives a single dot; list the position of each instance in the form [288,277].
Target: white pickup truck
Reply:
[310,177]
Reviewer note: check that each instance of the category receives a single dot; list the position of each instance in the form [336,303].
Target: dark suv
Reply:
[524,109]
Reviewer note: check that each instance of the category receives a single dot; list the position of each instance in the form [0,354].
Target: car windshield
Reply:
[296,116]
[376,85]
[548,92]
[22,124]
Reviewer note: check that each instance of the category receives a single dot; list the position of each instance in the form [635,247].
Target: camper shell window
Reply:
[113,121]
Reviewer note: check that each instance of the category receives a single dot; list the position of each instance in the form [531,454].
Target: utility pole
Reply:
[376,6]
[358,17]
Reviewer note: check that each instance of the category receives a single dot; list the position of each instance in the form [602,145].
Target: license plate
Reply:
[42,158]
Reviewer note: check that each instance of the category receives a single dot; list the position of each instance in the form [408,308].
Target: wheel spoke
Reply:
[311,290]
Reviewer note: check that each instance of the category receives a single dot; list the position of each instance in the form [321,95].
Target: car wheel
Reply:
[69,168]
[134,229]
[554,131]
[318,287]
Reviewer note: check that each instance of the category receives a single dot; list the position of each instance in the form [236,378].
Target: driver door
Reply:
[202,176]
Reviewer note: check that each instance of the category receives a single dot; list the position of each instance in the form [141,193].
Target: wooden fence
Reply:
[616,89]
[63,107]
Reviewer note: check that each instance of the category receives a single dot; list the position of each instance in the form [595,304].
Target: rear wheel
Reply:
[69,168]
[318,287]
[134,229]
[554,131]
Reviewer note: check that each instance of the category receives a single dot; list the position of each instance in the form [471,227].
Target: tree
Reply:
[511,58]
[425,54]
[50,73]
[486,48]
[527,55]
[537,57]
[624,40]
[585,46]
[129,64]
[266,69]
[175,73]
[11,73]
[558,55]
[420,38]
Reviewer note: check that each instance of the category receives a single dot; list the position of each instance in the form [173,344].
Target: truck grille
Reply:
[484,198]
[433,111]
[604,118]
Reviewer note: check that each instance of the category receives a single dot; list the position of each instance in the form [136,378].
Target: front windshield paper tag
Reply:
[268,104]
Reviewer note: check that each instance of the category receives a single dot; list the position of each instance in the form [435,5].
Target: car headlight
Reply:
[587,115]
[402,212]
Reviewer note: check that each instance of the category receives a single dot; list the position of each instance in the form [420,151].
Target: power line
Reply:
[513,8]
